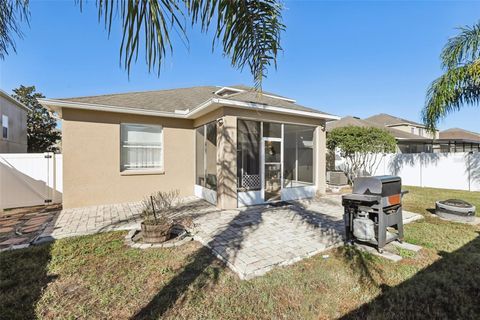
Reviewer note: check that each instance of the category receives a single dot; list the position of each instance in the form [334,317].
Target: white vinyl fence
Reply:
[29,179]
[459,170]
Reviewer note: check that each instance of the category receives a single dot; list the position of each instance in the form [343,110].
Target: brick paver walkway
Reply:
[125,216]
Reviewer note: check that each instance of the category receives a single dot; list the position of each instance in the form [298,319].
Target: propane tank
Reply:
[363,227]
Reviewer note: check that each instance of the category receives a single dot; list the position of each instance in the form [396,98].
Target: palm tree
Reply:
[460,84]
[249,31]
[12,12]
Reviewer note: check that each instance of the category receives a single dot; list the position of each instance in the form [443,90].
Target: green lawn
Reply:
[422,199]
[97,277]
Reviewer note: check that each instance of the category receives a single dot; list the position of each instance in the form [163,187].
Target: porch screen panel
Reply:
[200,156]
[298,155]
[211,156]
[248,155]
[141,146]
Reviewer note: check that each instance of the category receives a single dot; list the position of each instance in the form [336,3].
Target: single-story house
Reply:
[229,145]
[13,125]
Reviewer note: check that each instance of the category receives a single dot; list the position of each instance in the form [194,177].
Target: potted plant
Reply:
[158,212]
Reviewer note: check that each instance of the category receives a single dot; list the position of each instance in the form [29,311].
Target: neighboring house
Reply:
[228,145]
[412,137]
[13,124]
[406,142]
[401,124]
[458,140]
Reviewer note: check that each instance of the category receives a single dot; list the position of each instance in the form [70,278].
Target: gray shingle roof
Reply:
[185,98]
[459,134]
[158,100]
[387,120]
[353,121]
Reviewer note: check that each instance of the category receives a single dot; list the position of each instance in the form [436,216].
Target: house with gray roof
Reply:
[407,142]
[458,140]
[412,137]
[230,145]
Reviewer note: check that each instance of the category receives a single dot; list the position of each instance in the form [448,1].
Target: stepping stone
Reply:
[9,223]
[6,230]
[411,216]
[406,246]
[387,255]
[30,229]
[14,241]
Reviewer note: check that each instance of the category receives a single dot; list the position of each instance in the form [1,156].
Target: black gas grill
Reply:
[373,212]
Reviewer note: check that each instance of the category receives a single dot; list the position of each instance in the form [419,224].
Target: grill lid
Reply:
[378,185]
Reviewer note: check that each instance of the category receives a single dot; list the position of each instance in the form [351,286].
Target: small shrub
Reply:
[160,207]
[362,148]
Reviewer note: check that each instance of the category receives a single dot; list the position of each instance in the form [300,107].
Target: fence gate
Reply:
[30,179]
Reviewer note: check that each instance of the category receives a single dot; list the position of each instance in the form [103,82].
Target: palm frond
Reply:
[248,30]
[145,23]
[12,13]
[457,87]
[463,48]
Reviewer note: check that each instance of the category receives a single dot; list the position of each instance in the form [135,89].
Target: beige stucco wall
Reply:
[91,155]
[408,128]
[227,163]
[91,159]
[17,127]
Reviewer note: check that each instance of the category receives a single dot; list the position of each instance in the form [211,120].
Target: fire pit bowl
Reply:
[455,209]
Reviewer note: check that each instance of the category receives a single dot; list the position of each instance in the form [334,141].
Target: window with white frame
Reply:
[141,147]
[4,127]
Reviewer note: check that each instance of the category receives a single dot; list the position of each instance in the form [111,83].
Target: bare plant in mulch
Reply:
[158,214]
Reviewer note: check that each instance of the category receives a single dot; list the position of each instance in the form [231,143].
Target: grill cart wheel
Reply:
[455,209]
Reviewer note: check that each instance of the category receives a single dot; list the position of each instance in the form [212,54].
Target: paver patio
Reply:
[251,241]
[254,240]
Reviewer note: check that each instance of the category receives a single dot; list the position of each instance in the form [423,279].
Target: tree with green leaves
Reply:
[361,147]
[42,133]
[460,84]
[248,30]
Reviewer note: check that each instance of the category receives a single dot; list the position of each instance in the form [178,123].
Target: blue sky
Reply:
[346,58]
